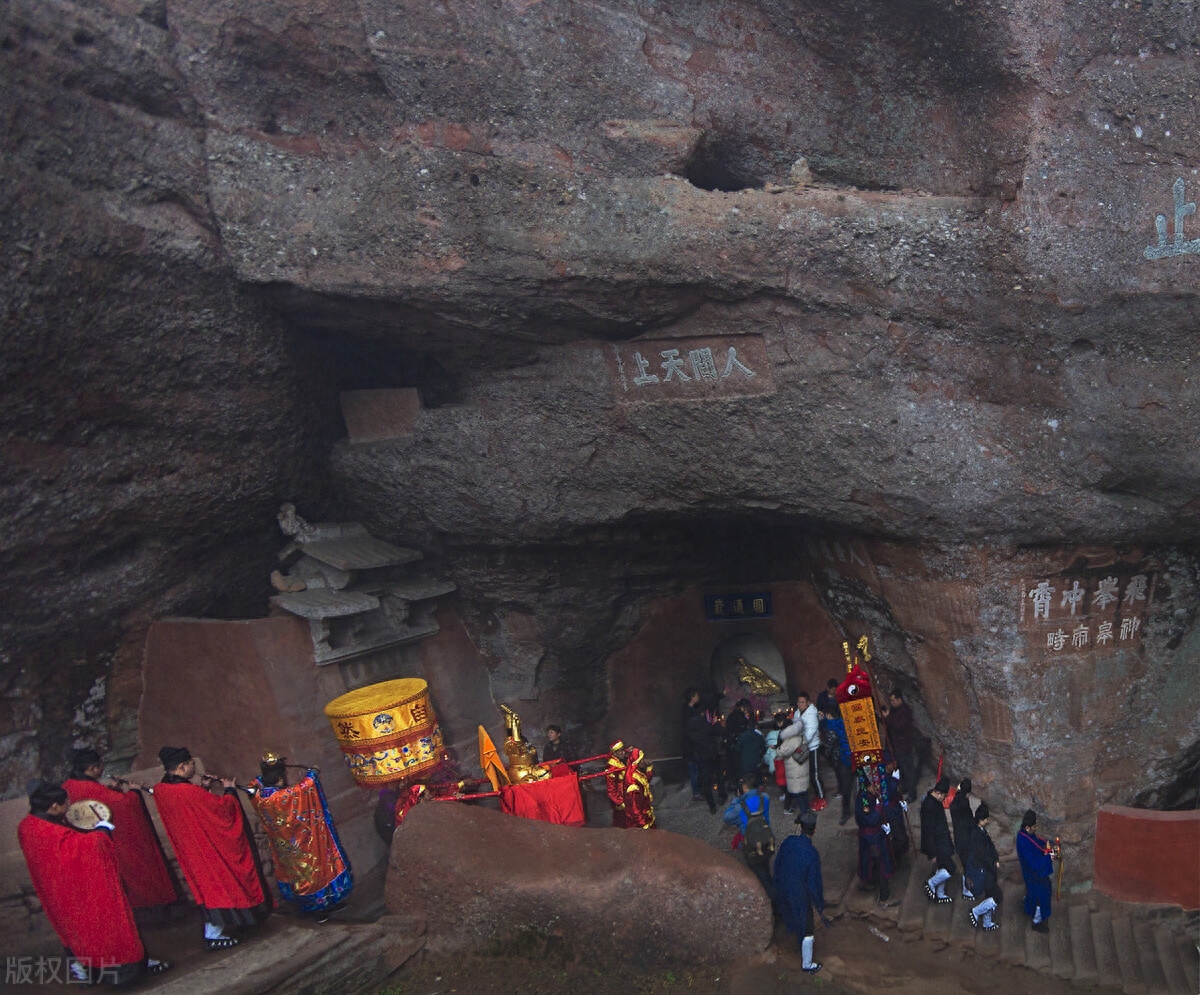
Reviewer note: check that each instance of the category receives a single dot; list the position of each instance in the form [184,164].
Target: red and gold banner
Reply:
[858,712]
[861,729]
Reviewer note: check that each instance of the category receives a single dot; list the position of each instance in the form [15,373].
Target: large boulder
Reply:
[485,880]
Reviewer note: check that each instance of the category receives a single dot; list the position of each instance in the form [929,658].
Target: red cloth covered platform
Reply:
[556,799]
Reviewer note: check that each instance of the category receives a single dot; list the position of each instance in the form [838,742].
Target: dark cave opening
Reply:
[1180,790]
[722,165]
[348,362]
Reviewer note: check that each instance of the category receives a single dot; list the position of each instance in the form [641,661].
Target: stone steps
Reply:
[962,933]
[1127,955]
[1147,949]
[1037,948]
[294,959]
[913,900]
[1105,945]
[1168,957]
[1092,942]
[1083,950]
[1013,932]
[1117,947]
[1189,960]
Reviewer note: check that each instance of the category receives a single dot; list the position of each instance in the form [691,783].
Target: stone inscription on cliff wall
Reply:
[1178,246]
[693,369]
[1096,612]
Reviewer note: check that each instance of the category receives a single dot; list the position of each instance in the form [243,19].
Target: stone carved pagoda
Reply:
[355,590]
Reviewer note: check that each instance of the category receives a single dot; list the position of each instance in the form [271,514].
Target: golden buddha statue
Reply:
[521,762]
[756,678]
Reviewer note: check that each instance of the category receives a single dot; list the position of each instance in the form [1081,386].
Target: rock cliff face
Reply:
[657,352]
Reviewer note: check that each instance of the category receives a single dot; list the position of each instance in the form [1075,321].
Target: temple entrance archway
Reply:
[737,667]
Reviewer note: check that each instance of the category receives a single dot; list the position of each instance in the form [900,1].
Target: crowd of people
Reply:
[94,857]
[86,837]
[737,755]
[798,749]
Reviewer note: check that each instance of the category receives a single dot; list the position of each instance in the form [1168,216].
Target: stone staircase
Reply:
[1093,941]
[291,958]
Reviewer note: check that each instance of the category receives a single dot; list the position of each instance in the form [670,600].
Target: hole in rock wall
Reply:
[723,165]
[355,363]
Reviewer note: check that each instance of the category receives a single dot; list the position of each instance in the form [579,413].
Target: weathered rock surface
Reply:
[481,880]
[215,215]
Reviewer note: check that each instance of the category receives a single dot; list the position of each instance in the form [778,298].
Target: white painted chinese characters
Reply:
[1073,622]
[688,369]
[1177,247]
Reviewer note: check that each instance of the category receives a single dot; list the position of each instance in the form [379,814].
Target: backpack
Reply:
[759,838]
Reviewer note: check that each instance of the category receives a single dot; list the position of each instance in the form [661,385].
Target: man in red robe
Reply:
[209,835]
[76,879]
[139,855]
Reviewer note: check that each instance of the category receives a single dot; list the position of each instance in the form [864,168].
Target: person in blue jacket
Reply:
[750,801]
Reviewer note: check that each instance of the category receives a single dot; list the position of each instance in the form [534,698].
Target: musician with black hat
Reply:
[210,839]
[139,854]
[74,873]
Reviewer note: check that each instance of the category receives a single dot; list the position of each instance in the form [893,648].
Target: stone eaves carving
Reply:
[352,588]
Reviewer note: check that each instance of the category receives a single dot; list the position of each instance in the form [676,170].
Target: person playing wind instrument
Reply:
[139,854]
[210,839]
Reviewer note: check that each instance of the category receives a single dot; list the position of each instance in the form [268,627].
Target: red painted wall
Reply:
[1147,856]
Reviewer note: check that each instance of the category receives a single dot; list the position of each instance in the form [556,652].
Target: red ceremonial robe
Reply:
[210,841]
[76,878]
[139,856]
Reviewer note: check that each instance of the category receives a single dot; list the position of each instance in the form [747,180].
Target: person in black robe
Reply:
[798,887]
[703,748]
[963,821]
[935,841]
[983,871]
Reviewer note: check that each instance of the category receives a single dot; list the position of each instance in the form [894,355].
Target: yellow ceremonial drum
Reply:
[387,731]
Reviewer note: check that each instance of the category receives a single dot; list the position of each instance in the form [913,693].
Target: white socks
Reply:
[967,892]
[983,911]
[212,932]
[806,946]
[1037,915]
[938,883]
